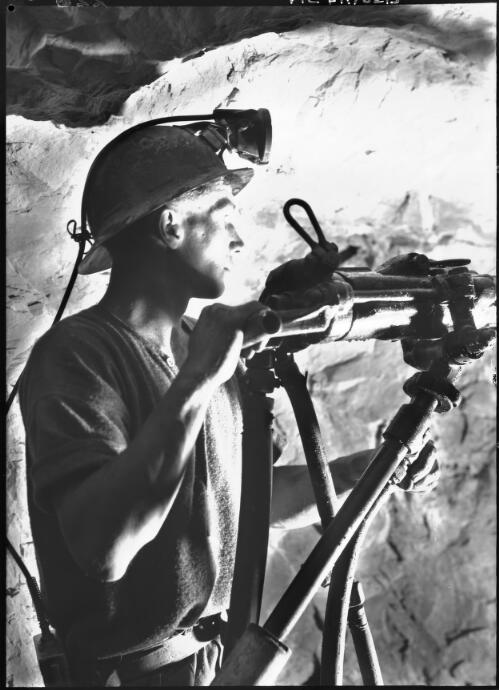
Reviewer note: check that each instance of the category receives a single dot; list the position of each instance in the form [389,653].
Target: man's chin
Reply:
[211,290]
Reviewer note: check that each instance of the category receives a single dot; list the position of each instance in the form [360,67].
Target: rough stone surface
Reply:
[390,140]
[77,66]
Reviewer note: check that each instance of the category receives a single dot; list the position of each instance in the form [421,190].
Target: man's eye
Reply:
[192,220]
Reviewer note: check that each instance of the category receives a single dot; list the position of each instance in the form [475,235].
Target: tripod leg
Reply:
[363,641]
[342,577]
[335,618]
[344,603]
[251,553]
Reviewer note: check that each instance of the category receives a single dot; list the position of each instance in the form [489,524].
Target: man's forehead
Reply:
[210,198]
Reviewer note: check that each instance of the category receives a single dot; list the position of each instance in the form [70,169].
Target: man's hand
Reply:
[293,502]
[420,471]
[216,341]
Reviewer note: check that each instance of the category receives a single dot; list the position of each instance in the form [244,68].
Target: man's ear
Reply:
[170,228]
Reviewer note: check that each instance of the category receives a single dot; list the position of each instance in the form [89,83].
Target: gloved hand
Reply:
[419,471]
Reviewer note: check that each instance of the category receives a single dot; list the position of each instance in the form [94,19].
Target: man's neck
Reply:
[150,309]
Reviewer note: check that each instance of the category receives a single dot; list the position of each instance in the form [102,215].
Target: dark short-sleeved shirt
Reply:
[89,385]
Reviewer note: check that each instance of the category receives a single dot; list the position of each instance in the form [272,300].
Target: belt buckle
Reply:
[208,628]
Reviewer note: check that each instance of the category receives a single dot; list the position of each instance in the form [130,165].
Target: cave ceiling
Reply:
[76,66]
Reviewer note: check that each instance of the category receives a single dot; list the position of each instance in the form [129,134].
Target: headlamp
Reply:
[246,132]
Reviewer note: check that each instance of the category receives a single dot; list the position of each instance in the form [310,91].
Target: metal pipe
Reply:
[372,280]
[379,306]
[294,382]
[254,517]
[406,295]
[340,585]
[363,639]
[357,306]
[334,540]
[336,617]
[341,530]
[340,606]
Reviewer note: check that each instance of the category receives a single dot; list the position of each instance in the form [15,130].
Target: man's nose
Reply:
[236,243]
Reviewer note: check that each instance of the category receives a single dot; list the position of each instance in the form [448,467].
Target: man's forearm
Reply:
[109,517]
[293,501]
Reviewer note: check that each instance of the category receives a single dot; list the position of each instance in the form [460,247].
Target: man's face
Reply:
[210,240]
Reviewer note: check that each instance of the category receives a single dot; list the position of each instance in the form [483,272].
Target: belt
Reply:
[181,645]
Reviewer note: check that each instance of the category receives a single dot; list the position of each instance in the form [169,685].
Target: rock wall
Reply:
[77,65]
[389,136]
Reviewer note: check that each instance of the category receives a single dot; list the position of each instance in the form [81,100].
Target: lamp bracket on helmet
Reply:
[246,132]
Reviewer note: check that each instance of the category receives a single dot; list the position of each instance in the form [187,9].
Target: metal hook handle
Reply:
[322,242]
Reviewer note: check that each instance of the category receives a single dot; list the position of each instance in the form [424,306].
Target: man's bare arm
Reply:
[293,502]
[121,507]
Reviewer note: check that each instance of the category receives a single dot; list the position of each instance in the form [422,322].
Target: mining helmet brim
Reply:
[144,172]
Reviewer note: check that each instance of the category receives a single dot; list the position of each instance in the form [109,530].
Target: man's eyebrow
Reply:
[221,203]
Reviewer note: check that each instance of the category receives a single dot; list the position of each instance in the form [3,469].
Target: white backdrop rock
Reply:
[391,141]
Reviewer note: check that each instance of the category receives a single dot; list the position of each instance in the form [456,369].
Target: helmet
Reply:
[141,173]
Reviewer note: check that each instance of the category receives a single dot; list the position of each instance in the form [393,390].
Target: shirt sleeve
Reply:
[74,416]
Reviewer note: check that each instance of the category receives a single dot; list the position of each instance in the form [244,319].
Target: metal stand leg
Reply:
[254,518]
[351,515]
[348,603]
[342,576]
[363,639]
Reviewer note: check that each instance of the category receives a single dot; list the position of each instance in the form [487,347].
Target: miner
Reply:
[133,426]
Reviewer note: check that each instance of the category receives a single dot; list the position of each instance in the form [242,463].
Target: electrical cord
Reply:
[81,237]
[33,590]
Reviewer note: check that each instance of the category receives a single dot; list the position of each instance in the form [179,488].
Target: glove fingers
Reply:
[424,463]
[423,473]
[428,483]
